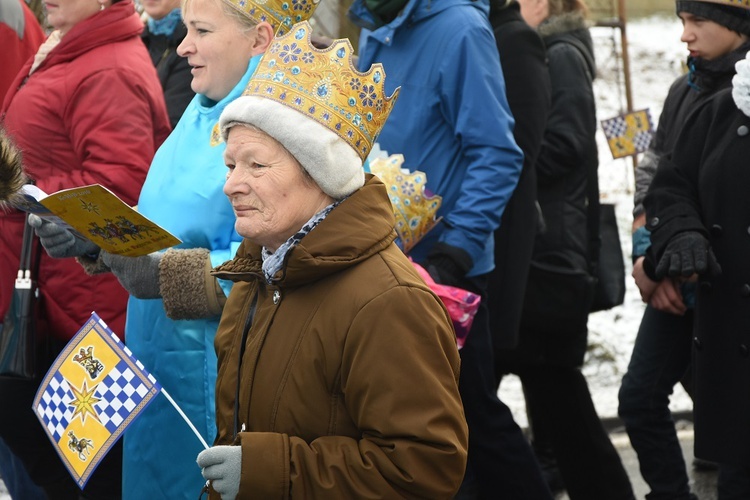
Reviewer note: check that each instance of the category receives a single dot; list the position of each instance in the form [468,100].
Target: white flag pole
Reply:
[184,417]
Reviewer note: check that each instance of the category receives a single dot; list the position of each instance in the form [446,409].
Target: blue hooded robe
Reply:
[183,193]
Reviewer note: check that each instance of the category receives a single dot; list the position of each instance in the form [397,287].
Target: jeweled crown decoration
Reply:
[281,14]
[323,85]
[413,205]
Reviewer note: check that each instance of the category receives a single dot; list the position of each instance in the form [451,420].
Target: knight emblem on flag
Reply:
[91,393]
[629,133]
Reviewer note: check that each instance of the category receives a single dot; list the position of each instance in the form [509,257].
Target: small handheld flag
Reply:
[628,134]
[91,393]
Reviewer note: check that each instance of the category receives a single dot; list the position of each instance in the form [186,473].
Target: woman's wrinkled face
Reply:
[271,195]
[217,48]
[157,9]
[707,39]
[64,14]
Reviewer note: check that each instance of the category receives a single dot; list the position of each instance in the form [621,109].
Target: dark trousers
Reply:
[15,477]
[661,356]
[501,462]
[734,482]
[26,438]
[562,415]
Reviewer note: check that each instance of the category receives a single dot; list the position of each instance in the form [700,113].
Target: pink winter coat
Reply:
[92,112]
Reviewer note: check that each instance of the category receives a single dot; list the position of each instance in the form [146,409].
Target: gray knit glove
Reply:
[221,465]
[138,275]
[58,241]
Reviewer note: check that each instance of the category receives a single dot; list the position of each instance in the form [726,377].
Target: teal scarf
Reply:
[166,25]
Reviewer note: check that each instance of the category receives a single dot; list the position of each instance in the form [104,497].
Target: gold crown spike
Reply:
[323,85]
[413,205]
[281,14]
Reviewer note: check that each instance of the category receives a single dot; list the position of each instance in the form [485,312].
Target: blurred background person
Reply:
[550,353]
[325,303]
[462,139]
[527,87]
[716,36]
[162,35]
[20,37]
[175,304]
[87,108]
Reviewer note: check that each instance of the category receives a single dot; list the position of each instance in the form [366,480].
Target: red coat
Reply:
[92,112]
[20,36]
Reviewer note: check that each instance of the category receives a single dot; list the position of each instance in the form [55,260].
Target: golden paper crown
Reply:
[281,14]
[323,85]
[413,205]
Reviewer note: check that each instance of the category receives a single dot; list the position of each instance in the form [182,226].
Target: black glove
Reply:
[447,264]
[687,253]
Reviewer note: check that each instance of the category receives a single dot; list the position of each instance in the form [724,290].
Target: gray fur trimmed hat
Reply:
[317,105]
[732,14]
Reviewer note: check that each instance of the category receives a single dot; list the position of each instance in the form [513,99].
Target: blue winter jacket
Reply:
[183,192]
[451,119]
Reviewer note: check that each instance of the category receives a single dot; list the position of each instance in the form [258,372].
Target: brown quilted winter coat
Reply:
[349,378]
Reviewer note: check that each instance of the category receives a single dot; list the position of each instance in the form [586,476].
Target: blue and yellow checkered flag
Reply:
[91,393]
[629,134]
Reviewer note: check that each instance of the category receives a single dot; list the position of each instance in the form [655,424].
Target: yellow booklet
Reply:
[96,213]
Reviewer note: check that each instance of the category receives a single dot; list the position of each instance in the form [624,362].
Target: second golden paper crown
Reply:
[413,205]
[323,85]
[281,14]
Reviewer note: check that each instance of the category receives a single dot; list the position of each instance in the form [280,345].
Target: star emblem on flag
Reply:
[83,402]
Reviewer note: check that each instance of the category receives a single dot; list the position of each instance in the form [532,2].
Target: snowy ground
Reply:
[656,56]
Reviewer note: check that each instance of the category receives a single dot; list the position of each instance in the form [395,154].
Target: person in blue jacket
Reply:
[175,305]
[452,121]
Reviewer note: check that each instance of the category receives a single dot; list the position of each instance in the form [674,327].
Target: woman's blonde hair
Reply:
[245,22]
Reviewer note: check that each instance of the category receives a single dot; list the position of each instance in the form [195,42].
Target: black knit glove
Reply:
[447,264]
[687,253]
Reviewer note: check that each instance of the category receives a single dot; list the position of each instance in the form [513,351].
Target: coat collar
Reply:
[361,226]
[113,24]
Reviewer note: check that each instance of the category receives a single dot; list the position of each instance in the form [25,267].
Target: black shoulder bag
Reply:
[18,336]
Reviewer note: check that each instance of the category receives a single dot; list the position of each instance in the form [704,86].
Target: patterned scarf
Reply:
[274,261]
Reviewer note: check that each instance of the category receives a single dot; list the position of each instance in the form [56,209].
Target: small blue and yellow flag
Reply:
[629,134]
[92,392]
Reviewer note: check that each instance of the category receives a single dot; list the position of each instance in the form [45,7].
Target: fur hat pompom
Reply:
[12,176]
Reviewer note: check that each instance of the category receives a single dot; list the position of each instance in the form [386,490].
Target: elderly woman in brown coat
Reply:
[338,366]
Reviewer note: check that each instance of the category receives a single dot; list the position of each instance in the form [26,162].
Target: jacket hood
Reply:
[359,227]
[113,24]
[571,28]
[414,11]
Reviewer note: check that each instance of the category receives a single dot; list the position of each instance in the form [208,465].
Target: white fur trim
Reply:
[741,85]
[330,161]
